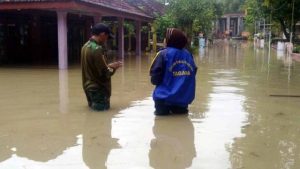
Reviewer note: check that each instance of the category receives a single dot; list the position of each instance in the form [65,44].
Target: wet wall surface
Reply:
[245,115]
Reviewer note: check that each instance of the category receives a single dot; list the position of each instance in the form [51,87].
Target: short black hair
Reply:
[101,27]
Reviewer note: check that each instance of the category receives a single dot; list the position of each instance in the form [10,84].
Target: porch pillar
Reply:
[63,91]
[217,23]
[154,38]
[121,37]
[238,25]
[228,24]
[241,24]
[138,39]
[62,39]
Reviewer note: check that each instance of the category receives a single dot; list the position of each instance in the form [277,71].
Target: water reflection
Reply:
[271,139]
[97,140]
[280,54]
[32,143]
[32,131]
[234,122]
[63,91]
[287,61]
[173,145]
[270,136]
[6,150]
[224,118]
[201,52]
[132,127]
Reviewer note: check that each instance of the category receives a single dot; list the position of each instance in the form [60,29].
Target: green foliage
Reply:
[145,29]
[280,11]
[231,6]
[162,23]
[185,13]
[192,16]
[296,49]
[129,27]
[254,12]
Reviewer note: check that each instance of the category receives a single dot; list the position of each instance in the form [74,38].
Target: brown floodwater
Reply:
[237,121]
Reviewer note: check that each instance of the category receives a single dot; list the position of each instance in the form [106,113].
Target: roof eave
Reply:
[74,6]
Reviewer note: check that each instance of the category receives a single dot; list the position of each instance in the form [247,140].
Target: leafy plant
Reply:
[162,23]
[278,11]
[296,49]
[191,16]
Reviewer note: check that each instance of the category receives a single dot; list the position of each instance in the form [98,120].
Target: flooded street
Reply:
[246,115]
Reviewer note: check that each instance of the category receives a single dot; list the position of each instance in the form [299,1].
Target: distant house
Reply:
[230,24]
[53,31]
[297,31]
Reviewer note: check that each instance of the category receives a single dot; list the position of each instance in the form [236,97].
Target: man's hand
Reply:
[115,65]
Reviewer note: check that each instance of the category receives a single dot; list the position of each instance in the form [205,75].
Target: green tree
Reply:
[192,16]
[254,13]
[129,28]
[162,23]
[280,11]
[231,6]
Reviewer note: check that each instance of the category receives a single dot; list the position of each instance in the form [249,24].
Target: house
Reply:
[230,24]
[297,31]
[53,31]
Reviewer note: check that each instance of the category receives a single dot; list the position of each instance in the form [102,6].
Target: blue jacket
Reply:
[173,72]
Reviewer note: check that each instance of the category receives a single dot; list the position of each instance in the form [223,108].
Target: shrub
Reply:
[296,49]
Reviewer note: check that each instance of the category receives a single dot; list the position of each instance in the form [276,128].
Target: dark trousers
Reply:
[162,108]
[97,100]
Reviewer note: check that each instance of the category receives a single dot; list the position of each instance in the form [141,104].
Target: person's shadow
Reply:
[97,140]
[173,145]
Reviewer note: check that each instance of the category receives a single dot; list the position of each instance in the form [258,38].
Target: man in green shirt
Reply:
[96,72]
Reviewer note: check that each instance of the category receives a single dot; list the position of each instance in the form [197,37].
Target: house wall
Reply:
[230,25]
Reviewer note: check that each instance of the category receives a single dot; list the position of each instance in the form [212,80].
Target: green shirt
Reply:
[95,73]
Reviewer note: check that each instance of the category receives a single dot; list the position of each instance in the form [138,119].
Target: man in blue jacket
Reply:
[173,72]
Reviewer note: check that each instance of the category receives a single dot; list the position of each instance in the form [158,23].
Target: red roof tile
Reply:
[146,8]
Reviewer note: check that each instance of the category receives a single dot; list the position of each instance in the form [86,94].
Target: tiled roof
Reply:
[151,7]
[146,8]
[119,5]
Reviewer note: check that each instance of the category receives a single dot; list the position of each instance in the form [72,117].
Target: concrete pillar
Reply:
[63,91]
[121,37]
[138,38]
[238,26]
[228,24]
[62,39]
[217,27]
[224,25]
[241,24]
